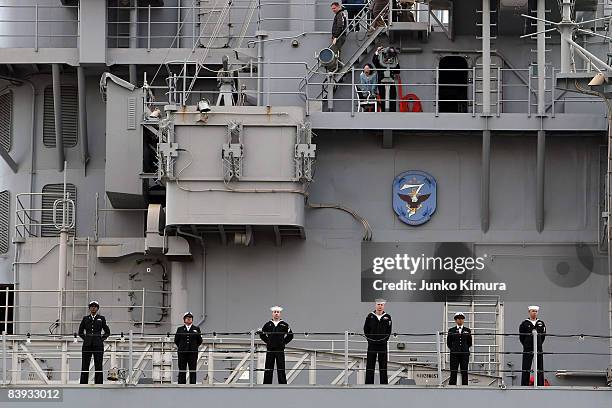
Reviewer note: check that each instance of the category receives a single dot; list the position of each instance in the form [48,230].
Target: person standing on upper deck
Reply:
[526,337]
[91,331]
[339,27]
[377,329]
[188,340]
[276,333]
[459,341]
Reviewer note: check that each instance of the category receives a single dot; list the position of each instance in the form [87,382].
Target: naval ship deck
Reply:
[512,83]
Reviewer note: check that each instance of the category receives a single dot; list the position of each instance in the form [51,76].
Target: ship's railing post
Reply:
[142,314]
[473,91]
[346,354]
[554,82]
[439,357]
[131,358]
[36,27]
[353,90]
[535,358]
[6,307]
[529,93]
[4,381]
[499,89]
[148,29]
[252,364]
[437,85]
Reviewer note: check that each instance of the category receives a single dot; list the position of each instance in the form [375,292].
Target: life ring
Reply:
[410,103]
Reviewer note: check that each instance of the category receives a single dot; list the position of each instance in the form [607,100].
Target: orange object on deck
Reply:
[409,102]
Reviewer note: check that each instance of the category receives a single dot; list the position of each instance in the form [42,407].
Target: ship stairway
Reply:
[366,46]
[486,319]
[79,271]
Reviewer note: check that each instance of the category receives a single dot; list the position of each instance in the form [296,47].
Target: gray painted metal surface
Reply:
[542,197]
[353,396]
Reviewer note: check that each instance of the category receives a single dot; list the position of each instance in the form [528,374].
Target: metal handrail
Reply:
[224,358]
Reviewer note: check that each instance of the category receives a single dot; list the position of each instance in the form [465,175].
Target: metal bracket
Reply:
[305,153]
[233,152]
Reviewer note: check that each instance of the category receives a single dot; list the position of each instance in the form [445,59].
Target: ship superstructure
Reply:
[218,157]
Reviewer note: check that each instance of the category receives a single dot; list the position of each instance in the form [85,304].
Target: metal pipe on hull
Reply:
[485,180]
[486,57]
[133,39]
[540,174]
[57,110]
[83,116]
[541,55]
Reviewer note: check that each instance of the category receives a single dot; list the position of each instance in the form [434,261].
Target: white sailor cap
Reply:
[94,303]
[276,309]
[533,307]
[187,314]
[459,315]
[381,301]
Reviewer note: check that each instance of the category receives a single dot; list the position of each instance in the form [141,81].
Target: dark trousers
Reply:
[97,353]
[271,357]
[337,47]
[457,360]
[187,358]
[526,373]
[371,365]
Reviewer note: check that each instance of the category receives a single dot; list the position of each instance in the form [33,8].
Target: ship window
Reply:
[6,120]
[5,208]
[453,84]
[70,114]
[52,192]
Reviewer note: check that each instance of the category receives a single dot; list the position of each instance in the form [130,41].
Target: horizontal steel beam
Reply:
[425,121]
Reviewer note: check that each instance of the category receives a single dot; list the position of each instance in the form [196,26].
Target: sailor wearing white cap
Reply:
[90,330]
[276,333]
[526,338]
[459,341]
[188,340]
[377,329]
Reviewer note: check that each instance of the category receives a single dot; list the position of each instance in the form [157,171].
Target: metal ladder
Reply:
[80,278]
[495,71]
[485,316]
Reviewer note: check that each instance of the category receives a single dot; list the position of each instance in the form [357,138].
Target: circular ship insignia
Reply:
[414,197]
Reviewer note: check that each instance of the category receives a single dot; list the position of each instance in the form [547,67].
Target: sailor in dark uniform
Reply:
[526,338]
[276,334]
[377,329]
[187,339]
[459,341]
[90,330]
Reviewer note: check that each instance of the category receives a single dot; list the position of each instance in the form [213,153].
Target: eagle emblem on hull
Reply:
[414,197]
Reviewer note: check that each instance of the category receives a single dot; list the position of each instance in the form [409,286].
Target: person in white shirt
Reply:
[276,333]
[377,329]
[526,337]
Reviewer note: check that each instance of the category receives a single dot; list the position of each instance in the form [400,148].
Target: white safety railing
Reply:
[27,24]
[238,358]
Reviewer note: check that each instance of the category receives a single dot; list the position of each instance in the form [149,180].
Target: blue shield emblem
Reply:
[414,197]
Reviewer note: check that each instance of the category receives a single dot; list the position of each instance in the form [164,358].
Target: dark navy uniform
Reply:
[90,330]
[377,330]
[459,342]
[526,339]
[276,336]
[188,341]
